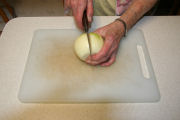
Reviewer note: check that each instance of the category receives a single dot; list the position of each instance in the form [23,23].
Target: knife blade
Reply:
[86,29]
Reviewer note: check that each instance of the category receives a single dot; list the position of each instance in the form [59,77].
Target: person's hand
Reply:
[78,7]
[112,35]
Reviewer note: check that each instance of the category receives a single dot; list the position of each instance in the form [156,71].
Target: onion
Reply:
[81,45]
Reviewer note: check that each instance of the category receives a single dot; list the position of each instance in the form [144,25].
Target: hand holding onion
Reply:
[104,53]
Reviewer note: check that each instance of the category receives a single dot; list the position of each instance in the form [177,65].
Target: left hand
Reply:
[112,35]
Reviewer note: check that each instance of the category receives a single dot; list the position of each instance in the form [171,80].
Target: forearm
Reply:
[113,32]
[136,10]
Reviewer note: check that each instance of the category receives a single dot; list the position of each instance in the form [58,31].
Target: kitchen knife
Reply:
[86,29]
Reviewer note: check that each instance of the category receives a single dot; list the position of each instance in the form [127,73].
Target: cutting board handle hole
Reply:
[143,63]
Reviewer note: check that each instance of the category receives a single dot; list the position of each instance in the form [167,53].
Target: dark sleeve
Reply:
[153,10]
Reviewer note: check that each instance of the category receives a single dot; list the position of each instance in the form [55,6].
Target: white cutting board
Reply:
[54,74]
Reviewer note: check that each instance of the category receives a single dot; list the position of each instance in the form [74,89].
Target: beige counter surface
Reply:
[162,35]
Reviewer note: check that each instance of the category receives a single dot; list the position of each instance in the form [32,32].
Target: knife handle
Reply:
[85,21]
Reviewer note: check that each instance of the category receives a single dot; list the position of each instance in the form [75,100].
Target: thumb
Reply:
[90,10]
[66,4]
[67,7]
[100,32]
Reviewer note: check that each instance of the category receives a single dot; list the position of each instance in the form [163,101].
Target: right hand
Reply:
[78,7]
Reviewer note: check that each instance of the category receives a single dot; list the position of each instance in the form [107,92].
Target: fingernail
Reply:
[103,65]
[88,60]
[67,11]
[89,18]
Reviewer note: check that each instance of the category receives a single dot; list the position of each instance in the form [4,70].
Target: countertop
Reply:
[162,35]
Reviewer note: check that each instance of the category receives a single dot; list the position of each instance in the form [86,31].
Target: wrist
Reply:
[118,26]
[121,24]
